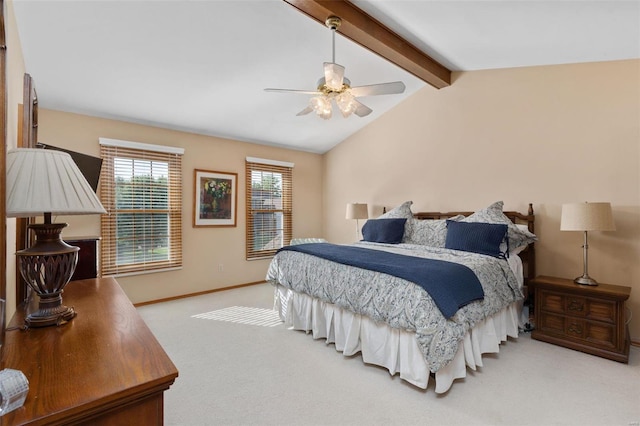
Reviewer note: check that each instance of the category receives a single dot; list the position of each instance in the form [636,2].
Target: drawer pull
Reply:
[575,329]
[576,305]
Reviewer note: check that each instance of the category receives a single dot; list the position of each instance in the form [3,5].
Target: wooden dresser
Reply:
[590,319]
[104,367]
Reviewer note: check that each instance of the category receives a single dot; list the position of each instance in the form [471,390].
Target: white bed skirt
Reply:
[394,349]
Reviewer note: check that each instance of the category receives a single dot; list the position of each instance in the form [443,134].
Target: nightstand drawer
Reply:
[586,307]
[602,335]
[595,333]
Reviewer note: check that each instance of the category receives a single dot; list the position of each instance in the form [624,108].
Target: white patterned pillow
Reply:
[403,211]
[517,237]
[432,233]
[516,250]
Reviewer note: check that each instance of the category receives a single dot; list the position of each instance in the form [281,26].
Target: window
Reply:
[141,189]
[269,206]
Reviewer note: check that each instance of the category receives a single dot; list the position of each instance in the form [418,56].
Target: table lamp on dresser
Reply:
[43,182]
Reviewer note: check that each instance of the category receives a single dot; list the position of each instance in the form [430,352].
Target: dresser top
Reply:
[567,285]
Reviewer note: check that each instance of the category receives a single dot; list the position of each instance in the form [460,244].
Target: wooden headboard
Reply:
[528,255]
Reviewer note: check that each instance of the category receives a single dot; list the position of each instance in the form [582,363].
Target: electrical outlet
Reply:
[220,267]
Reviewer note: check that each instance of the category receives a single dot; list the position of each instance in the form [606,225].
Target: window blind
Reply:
[269,203]
[142,193]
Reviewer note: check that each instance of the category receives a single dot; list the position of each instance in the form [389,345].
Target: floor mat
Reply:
[243,315]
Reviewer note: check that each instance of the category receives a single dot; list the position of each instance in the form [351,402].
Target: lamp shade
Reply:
[357,211]
[587,217]
[46,181]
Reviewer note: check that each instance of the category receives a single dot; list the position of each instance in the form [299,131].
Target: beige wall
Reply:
[204,248]
[542,135]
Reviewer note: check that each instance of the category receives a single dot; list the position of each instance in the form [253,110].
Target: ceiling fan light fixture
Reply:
[334,78]
[321,106]
[346,103]
[325,115]
[334,84]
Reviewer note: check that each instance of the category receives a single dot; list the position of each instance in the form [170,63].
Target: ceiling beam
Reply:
[374,36]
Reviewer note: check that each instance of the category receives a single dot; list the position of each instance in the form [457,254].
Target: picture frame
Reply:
[215,198]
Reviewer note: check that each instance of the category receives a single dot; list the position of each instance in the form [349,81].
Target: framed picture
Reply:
[215,198]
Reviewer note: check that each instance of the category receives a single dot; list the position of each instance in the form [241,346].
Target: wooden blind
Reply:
[142,193]
[269,208]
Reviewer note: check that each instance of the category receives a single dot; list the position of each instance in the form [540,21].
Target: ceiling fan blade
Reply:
[301,92]
[305,111]
[362,110]
[378,89]
[333,75]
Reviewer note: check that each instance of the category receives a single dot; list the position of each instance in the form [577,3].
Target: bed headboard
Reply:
[528,255]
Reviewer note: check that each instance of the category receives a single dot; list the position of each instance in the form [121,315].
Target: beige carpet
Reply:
[234,373]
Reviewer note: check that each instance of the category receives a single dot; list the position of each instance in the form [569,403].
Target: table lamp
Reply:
[586,217]
[45,182]
[357,211]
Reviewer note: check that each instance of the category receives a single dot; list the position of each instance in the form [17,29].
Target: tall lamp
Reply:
[45,182]
[357,211]
[586,217]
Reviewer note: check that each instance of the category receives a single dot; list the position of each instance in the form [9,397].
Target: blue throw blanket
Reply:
[450,285]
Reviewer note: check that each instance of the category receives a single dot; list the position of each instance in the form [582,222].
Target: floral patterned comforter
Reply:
[398,302]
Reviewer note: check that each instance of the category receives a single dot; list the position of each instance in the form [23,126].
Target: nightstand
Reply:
[590,319]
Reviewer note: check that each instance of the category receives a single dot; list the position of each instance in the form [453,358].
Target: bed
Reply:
[394,322]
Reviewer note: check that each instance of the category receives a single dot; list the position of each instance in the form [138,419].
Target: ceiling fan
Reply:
[334,87]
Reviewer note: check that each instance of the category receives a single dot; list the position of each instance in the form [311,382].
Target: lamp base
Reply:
[46,317]
[47,267]
[585,280]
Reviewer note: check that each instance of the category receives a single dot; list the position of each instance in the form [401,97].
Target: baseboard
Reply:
[200,293]
[635,343]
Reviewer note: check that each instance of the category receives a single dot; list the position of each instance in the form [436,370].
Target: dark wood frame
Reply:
[197,174]
[3,170]
[528,255]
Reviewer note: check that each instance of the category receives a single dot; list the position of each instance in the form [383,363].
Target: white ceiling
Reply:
[201,66]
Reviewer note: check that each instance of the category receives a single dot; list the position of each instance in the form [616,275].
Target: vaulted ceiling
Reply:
[201,66]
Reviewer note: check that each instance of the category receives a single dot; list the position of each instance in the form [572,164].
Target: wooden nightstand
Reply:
[590,319]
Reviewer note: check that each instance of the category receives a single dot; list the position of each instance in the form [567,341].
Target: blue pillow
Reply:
[388,231]
[476,237]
